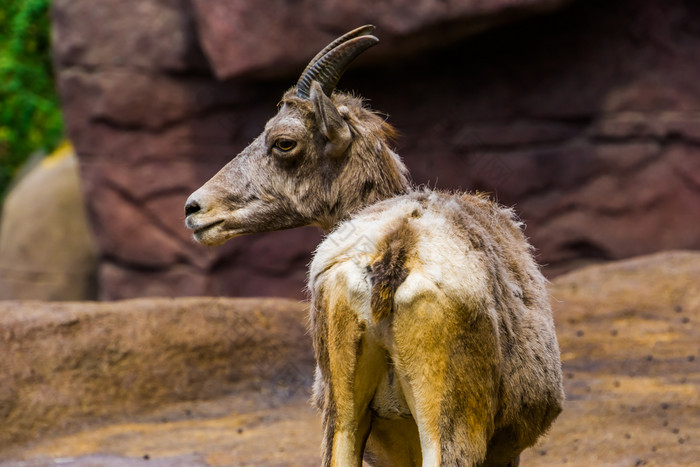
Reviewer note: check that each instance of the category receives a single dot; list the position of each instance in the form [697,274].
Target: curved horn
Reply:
[328,69]
[361,31]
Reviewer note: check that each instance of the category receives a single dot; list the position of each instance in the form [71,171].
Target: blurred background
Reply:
[582,114]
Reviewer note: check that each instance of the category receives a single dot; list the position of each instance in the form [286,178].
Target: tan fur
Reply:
[470,331]
[430,319]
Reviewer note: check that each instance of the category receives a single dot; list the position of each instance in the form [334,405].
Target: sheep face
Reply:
[283,179]
[319,159]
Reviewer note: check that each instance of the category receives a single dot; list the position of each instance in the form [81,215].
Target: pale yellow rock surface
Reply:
[67,366]
[629,332]
[46,247]
[630,339]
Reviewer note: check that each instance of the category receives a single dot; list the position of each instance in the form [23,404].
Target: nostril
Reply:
[192,207]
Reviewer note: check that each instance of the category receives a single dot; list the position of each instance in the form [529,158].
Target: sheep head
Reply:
[311,165]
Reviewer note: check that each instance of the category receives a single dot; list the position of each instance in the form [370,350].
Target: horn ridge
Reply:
[328,69]
[361,31]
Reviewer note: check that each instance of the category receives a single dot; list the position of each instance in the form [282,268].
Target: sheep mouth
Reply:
[204,228]
[210,234]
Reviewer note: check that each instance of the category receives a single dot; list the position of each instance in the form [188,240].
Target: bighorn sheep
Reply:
[430,319]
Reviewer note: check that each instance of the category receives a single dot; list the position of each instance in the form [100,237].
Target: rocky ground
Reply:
[197,382]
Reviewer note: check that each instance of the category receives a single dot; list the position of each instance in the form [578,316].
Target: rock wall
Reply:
[583,114]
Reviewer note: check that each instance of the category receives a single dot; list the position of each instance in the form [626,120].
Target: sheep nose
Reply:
[192,207]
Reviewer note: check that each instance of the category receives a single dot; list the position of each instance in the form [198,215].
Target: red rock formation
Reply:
[585,118]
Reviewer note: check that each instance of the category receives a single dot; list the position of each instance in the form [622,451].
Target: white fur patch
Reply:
[439,260]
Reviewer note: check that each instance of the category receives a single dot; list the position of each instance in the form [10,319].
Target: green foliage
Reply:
[30,117]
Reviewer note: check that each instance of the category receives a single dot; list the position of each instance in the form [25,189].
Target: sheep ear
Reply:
[330,123]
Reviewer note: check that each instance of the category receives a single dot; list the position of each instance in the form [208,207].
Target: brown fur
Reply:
[302,187]
[430,318]
[389,271]
[500,388]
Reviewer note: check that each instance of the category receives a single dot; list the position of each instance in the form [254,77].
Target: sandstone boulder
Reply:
[67,364]
[46,247]
[203,381]
[629,333]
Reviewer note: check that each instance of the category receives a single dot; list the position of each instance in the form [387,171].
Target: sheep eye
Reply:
[285,144]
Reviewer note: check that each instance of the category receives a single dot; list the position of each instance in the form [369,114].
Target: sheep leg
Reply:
[352,363]
[445,357]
